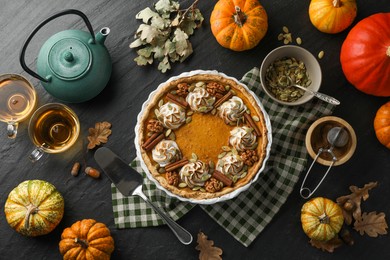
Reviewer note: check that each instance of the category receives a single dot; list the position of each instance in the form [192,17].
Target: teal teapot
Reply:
[73,65]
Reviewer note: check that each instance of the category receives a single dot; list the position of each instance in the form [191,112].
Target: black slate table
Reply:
[121,101]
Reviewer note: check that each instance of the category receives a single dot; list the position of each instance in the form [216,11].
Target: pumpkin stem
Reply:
[324,219]
[239,17]
[31,209]
[336,3]
[83,243]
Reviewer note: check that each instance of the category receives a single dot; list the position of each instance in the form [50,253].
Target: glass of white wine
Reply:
[18,100]
[53,128]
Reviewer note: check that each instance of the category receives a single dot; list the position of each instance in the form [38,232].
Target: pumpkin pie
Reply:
[202,136]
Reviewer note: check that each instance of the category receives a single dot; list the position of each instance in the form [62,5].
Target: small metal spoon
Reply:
[319,95]
[337,137]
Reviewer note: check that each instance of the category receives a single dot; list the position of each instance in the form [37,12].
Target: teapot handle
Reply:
[54,16]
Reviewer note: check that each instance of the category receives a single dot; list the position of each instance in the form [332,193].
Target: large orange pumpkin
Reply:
[239,25]
[332,16]
[365,55]
[382,124]
[86,239]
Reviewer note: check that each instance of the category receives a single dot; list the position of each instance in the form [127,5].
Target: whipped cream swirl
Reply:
[243,138]
[166,152]
[230,164]
[195,173]
[232,110]
[200,100]
[171,115]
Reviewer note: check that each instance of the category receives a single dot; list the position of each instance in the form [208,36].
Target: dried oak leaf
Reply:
[99,134]
[350,204]
[372,224]
[328,246]
[207,249]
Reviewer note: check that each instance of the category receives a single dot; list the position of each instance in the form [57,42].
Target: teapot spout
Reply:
[102,35]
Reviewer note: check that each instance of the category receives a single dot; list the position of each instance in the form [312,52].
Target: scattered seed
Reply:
[75,169]
[285,29]
[321,54]
[168,132]
[299,41]
[190,113]
[194,156]
[256,118]
[160,103]
[188,120]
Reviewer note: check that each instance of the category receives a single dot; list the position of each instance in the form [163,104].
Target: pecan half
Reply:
[213,185]
[155,126]
[249,157]
[173,178]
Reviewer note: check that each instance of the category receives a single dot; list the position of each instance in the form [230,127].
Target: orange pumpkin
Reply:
[86,239]
[332,16]
[382,124]
[239,25]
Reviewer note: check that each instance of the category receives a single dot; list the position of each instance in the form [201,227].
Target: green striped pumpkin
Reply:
[321,219]
[34,208]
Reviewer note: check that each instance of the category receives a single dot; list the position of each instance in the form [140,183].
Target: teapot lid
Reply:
[69,58]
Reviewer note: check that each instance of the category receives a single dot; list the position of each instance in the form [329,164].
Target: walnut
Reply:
[213,185]
[155,126]
[215,89]
[172,178]
[249,157]
[182,89]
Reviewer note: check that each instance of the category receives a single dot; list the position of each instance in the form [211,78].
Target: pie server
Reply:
[129,182]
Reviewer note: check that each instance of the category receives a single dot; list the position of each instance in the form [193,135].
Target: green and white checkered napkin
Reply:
[245,216]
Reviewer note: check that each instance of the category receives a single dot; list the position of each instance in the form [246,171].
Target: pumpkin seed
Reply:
[243,174]
[299,40]
[233,92]
[160,103]
[235,178]
[199,84]
[202,190]
[173,92]
[280,36]
[321,54]
[194,157]
[221,155]
[157,113]
[285,29]
[190,113]
[211,164]
[161,170]
[191,88]
[172,136]
[234,151]
[196,188]
[227,87]
[188,120]
[202,109]
[182,185]
[248,111]
[168,132]
[213,112]
[205,177]
[149,134]
[256,118]
[226,148]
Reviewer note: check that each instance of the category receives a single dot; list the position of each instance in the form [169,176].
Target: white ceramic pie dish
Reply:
[225,197]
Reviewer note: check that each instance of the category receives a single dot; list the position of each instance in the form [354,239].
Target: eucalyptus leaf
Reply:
[164,34]
[146,14]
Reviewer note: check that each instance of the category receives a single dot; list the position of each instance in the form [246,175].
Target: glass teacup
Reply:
[18,99]
[53,128]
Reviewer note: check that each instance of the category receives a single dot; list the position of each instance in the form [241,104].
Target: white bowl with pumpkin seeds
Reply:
[287,65]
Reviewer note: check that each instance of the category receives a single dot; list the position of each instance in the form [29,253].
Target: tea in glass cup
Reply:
[53,128]
[17,101]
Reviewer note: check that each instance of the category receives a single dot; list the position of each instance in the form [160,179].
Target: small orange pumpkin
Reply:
[86,239]
[382,124]
[239,25]
[321,219]
[332,16]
